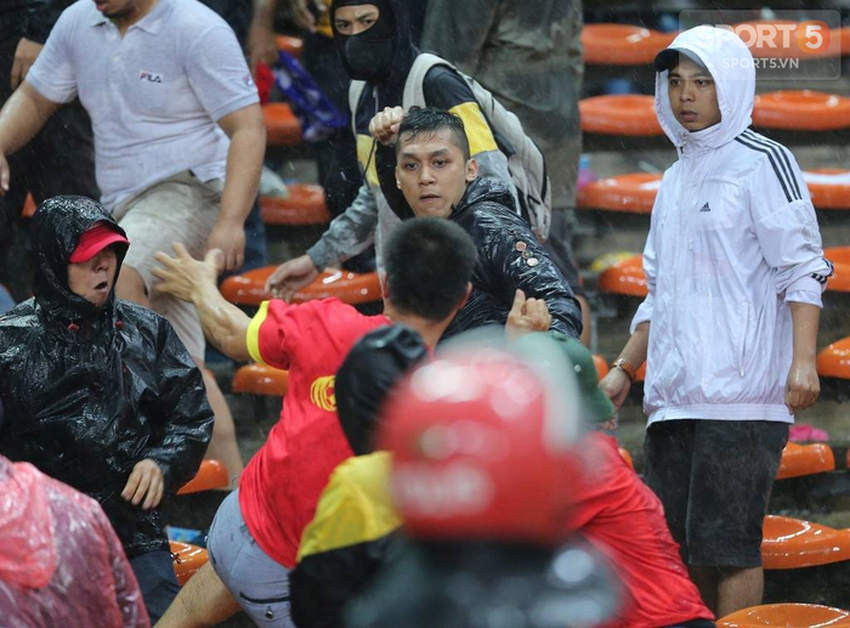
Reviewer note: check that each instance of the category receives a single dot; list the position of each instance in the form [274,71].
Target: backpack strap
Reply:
[355,91]
[414,90]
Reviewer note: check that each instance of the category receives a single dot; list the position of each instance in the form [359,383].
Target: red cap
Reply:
[94,241]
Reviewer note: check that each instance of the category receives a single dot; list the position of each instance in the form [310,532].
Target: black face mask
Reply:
[368,56]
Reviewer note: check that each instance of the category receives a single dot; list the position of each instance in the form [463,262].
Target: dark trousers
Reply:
[58,160]
[155,573]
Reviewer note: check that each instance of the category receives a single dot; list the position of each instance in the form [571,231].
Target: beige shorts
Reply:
[178,209]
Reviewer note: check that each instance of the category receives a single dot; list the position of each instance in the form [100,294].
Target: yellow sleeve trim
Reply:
[252,336]
[366,155]
[477,130]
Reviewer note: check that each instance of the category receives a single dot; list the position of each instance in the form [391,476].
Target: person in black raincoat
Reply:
[437,178]
[100,393]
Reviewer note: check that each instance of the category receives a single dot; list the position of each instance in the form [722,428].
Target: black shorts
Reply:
[714,479]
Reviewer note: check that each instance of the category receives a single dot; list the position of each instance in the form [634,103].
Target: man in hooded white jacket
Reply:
[735,271]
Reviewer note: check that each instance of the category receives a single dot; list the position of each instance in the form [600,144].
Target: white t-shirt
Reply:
[154,96]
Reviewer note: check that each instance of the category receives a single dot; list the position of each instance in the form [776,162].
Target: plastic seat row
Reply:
[635,193]
[797,461]
[633,115]
[630,45]
[626,278]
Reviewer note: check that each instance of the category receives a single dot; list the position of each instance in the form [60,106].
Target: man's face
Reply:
[93,280]
[693,96]
[354,19]
[432,173]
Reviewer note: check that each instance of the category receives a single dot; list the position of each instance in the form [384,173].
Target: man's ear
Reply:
[382,280]
[471,170]
[465,297]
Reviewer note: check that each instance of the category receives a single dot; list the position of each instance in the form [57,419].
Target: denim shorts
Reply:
[258,583]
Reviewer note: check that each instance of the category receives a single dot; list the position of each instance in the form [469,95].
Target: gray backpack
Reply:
[525,160]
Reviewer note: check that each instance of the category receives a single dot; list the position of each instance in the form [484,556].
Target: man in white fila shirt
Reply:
[179,141]
[735,271]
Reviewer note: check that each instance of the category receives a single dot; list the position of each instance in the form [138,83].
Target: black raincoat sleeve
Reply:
[186,419]
[513,259]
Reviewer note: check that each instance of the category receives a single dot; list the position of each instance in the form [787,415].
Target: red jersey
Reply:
[281,484]
[624,519]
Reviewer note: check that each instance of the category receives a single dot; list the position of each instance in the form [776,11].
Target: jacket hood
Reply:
[56,229]
[731,65]
[370,371]
[27,551]
[381,55]
[484,190]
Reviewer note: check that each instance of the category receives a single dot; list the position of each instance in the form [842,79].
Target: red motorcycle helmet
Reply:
[484,442]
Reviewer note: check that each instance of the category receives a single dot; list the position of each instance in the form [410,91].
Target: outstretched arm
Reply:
[21,118]
[186,278]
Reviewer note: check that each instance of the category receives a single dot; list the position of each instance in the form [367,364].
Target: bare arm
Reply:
[803,387]
[616,383]
[247,132]
[23,115]
[225,325]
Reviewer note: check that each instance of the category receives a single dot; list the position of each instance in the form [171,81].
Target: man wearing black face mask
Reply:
[374,45]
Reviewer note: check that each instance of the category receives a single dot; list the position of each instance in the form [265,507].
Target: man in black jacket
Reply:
[99,393]
[438,178]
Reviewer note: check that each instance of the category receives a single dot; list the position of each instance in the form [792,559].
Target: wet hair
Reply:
[429,120]
[429,263]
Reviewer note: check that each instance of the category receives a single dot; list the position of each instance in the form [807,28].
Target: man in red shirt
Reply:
[254,537]
[623,518]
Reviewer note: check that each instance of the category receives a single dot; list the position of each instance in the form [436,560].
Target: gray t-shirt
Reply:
[154,96]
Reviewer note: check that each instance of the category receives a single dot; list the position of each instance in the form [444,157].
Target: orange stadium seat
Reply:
[829,187]
[260,379]
[353,288]
[211,475]
[801,110]
[630,193]
[305,205]
[834,361]
[843,36]
[626,115]
[793,544]
[622,44]
[601,366]
[187,560]
[800,460]
[282,127]
[786,616]
[290,45]
[624,278]
[641,373]
[840,257]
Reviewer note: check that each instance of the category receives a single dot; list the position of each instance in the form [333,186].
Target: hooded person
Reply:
[735,271]
[99,393]
[374,45]
[354,531]
[486,441]
[60,561]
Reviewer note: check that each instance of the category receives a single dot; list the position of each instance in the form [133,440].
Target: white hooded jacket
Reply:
[733,239]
